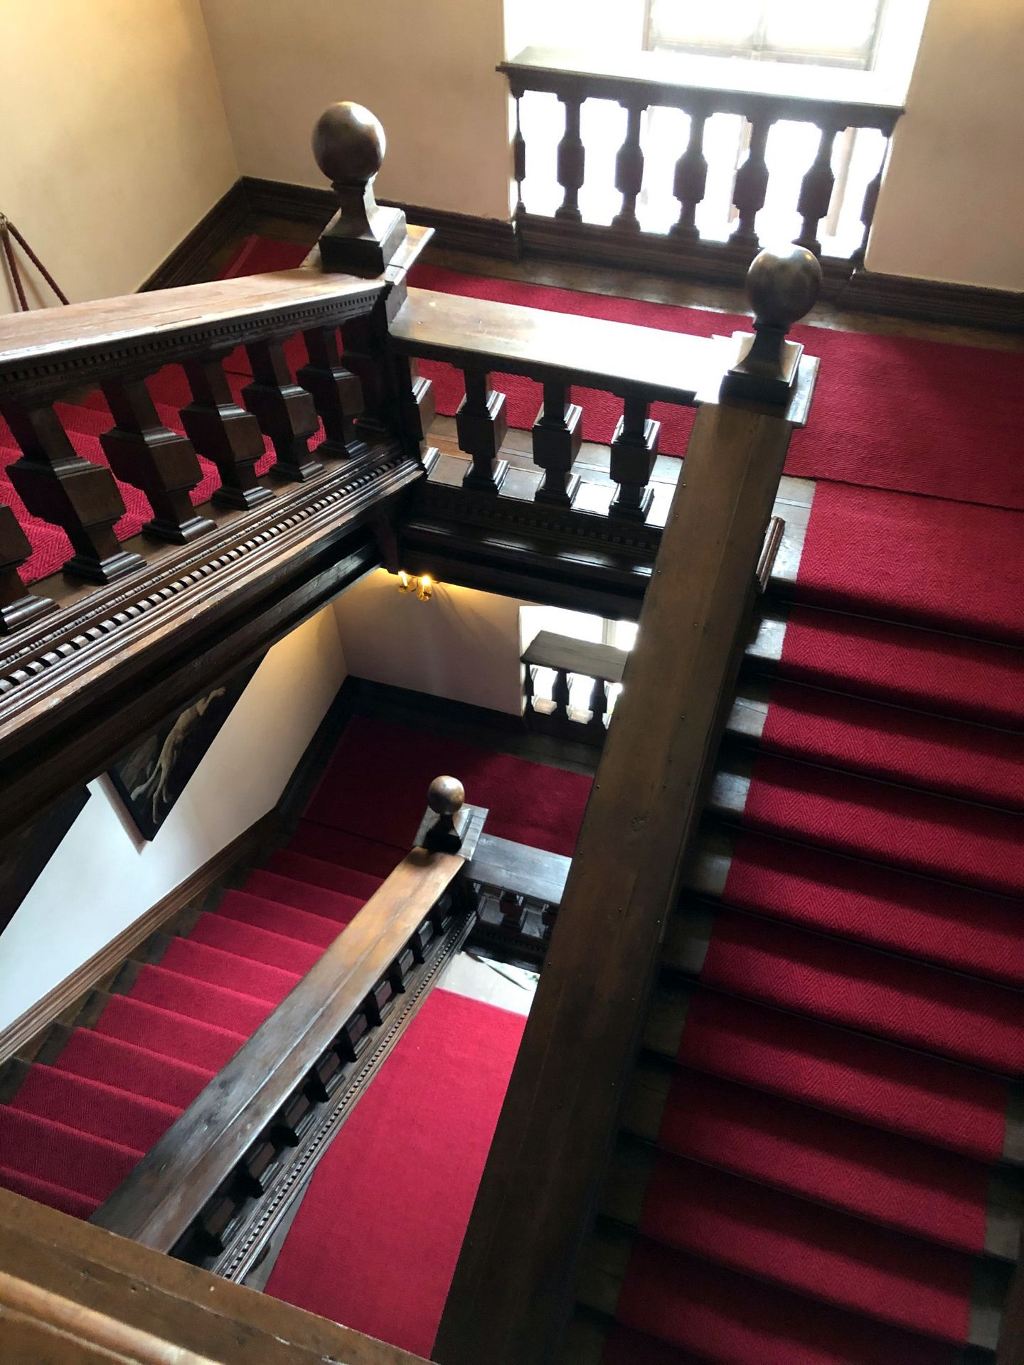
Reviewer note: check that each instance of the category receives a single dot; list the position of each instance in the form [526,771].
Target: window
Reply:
[774,30]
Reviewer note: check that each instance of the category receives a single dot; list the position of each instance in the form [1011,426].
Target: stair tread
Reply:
[815,1251]
[867,1080]
[64,1156]
[318,900]
[891,661]
[900,912]
[879,822]
[351,851]
[97,1057]
[262,945]
[858,987]
[57,1197]
[262,913]
[100,1110]
[286,862]
[195,999]
[263,981]
[167,1033]
[939,1196]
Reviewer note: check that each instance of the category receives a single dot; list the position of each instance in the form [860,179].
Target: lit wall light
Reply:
[421,584]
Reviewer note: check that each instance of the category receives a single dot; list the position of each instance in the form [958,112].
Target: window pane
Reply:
[731,23]
[810,27]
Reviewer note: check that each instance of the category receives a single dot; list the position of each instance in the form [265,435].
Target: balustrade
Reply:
[569,659]
[650,80]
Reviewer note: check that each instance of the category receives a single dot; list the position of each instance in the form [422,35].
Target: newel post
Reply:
[782,288]
[362,238]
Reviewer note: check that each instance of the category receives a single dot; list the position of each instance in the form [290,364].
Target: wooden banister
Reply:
[193,1182]
[513,1286]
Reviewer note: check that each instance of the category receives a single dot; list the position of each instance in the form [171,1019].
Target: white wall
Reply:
[104,875]
[115,141]
[426,71]
[462,644]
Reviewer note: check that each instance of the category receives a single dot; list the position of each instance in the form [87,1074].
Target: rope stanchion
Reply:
[7,231]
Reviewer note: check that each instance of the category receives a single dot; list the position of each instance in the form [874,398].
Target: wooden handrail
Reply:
[73,1292]
[169,1189]
[548,649]
[512,1290]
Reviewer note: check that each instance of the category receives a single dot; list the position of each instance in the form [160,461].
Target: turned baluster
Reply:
[691,178]
[481,425]
[634,450]
[518,155]
[529,689]
[363,340]
[598,707]
[557,437]
[224,432]
[80,497]
[415,400]
[512,908]
[154,459]
[867,212]
[17,606]
[286,413]
[571,159]
[560,695]
[816,192]
[750,187]
[336,391]
[629,170]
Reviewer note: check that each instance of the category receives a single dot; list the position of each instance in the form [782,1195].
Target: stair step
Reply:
[350,851]
[318,900]
[279,919]
[879,822]
[898,912]
[874,739]
[203,962]
[198,1000]
[115,1114]
[45,1192]
[109,1061]
[838,982]
[63,1156]
[801,1246]
[594,1339]
[724,1316]
[948,675]
[863,1079]
[166,1033]
[261,945]
[894,1181]
[318,872]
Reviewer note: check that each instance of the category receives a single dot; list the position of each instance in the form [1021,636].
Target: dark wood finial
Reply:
[349,145]
[782,288]
[445,796]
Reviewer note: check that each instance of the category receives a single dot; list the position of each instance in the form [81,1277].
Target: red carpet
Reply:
[401,1178]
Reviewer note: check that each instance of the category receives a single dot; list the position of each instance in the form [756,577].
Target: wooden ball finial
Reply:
[783,285]
[349,145]
[446,796]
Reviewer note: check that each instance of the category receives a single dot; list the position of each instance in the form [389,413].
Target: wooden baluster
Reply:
[529,689]
[751,185]
[336,391]
[691,178]
[598,708]
[634,450]
[17,606]
[481,424]
[154,459]
[80,497]
[512,908]
[224,432]
[286,413]
[415,399]
[571,161]
[518,155]
[362,352]
[557,437]
[816,191]
[629,170]
[560,696]
[867,212]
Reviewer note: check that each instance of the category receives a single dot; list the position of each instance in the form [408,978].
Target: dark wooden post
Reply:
[629,170]
[55,483]
[416,400]
[518,153]
[336,391]
[154,459]
[286,413]
[751,184]
[17,606]
[224,432]
[634,450]
[598,708]
[561,695]
[691,178]
[349,146]
[557,437]
[529,690]
[446,797]
[364,340]
[481,424]
[782,286]
[816,191]
[571,160]
[867,212]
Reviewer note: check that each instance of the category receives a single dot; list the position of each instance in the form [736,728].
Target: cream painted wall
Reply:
[115,141]
[426,70]
[952,202]
[462,644]
[104,875]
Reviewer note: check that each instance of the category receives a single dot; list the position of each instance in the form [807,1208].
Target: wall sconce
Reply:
[421,584]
